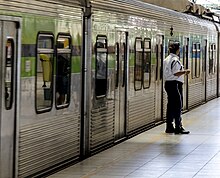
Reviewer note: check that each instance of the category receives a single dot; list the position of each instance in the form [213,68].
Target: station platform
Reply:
[155,154]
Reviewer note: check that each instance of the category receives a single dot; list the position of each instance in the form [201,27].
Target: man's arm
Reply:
[187,71]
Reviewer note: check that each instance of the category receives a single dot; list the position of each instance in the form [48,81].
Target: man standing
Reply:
[173,72]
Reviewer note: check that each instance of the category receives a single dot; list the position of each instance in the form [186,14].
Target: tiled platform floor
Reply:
[155,154]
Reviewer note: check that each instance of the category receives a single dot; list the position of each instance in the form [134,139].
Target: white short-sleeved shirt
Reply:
[172,65]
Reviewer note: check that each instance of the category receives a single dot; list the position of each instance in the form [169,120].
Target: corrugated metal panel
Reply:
[141,110]
[102,127]
[195,94]
[48,8]
[71,3]
[211,88]
[67,2]
[48,143]
[164,17]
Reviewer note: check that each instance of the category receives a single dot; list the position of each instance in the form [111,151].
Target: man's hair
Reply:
[173,47]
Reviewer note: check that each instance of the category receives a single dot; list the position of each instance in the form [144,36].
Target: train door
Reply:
[120,84]
[204,68]
[159,77]
[8,74]
[185,64]
[218,65]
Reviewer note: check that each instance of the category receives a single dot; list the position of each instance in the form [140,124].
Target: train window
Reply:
[9,65]
[193,62]
[63,70]
[101,55]
[44,71]
[212,58]
[198,60]
[204,55]
[147,63]
[124,57]
[138,64]
[185,52]
[117,64]
[159,56]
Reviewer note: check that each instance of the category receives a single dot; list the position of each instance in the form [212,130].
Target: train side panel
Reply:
[50,137]
[48,133]
[53,113]
[9,77]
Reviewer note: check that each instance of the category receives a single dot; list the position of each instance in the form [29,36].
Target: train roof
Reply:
[164,16]
[69,2]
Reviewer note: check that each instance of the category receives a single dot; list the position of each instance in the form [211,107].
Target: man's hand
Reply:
[187,71]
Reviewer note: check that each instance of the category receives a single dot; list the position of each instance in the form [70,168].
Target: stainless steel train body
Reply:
[37,132]
[78,77]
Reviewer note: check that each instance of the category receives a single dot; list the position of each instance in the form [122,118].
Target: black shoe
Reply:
[170,129]
[181,130]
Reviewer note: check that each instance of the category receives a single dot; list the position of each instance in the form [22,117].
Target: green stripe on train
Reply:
[32,24]
[28,66]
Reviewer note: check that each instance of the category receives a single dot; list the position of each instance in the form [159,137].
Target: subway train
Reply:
[80,76]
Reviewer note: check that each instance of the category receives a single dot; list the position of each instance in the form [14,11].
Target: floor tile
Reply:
[155,154]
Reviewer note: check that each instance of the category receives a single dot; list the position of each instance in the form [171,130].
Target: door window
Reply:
[101,56]
[9,65]
[212,58]
[44,71]
[138,64]
[196,61]
[147,63]
[63,70]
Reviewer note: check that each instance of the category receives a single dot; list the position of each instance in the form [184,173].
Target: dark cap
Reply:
[174,46]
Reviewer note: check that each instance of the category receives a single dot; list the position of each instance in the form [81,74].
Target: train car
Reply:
[81,76]
[132,37]
[217,59]
[41,54]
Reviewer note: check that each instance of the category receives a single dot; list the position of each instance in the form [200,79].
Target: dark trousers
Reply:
[174,105]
